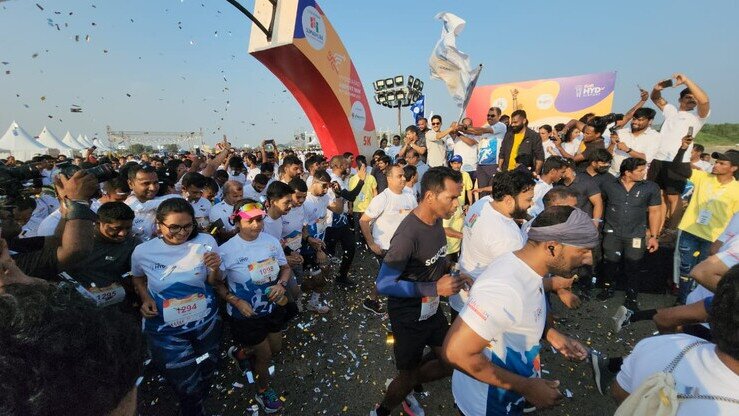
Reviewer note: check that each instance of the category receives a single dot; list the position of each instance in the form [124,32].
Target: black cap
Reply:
[730,155]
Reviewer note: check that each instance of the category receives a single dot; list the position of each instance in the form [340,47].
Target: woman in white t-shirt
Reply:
[257,273]
[173,275]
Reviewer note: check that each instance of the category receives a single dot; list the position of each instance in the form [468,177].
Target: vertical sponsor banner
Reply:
[547,101]
[307,55]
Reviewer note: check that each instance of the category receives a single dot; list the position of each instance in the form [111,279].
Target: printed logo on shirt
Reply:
[109,258]
[475,307]
[159,266]
[242,260]
[440,253]
[472,220]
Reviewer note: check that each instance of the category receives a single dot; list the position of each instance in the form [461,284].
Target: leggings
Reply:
[177,354]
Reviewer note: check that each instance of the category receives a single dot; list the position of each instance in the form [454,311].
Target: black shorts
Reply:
[411,337]
[484,176]
[666,178]
[252,331]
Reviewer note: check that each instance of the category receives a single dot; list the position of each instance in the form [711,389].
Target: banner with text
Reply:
[546,101]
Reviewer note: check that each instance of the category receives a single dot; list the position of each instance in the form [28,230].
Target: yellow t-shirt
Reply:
[365,195]
[466,186]
[456,223]
[517,140]
[711,206]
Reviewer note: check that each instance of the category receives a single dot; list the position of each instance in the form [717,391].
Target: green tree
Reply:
[138,148]
[172,148]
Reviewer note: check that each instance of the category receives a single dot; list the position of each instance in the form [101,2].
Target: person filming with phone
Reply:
[678,121]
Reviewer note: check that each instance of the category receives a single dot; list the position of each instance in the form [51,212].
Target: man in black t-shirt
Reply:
[588,192]
[102,272]
[413,275]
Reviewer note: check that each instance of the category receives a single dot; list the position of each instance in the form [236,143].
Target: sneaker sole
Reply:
[376,312]
[619,319]
[594,360]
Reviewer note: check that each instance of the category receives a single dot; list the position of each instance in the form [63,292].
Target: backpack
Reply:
[657,395]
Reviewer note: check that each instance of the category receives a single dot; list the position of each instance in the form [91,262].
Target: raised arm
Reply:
[644,95]
[656,96]
[704,106]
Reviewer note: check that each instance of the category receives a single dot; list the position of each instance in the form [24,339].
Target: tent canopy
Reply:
[20,144]
[71,142]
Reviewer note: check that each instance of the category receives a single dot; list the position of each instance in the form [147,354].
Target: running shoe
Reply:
[317,306]
[622,318]
[411,406]
[243,364]
[269,401]
[373,306]
[601,374]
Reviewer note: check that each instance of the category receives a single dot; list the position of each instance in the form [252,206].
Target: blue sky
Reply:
[185,62]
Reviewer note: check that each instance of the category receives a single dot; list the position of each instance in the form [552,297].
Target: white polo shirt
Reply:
[673,130]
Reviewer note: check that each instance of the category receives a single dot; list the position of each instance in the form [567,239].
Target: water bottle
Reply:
[455,270]
[282,300]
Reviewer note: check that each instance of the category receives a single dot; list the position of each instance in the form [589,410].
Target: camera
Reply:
[102,173]
[12,179]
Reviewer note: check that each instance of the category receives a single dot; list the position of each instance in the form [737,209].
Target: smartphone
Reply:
[666,83]
[690,131]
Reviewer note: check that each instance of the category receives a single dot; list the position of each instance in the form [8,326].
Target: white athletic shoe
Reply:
[621,318]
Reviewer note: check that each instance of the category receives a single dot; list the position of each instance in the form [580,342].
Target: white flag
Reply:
[448,63]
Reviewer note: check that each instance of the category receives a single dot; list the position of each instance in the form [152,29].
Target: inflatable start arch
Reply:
[307,55]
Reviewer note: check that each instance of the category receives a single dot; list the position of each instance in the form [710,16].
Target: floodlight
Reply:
[400,95]
[389,83]
[420,86]
[410,81]
[380,85]
[416,84]
[391,96]
[377,98]
[399,81]
[406,102]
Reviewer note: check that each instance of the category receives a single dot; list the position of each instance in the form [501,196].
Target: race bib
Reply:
[264,271]
[110,295]
[429,306]
[294,242]
[178,312]
[704,217]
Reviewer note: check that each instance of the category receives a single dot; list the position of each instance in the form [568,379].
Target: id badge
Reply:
[704,217]
[264,271]
[178,312]
[636,242]
[429,306]
[110,295]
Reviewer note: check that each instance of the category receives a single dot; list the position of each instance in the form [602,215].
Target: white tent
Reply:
[102,145]
[20,144]
[85,144]
[71,142]
[48,139]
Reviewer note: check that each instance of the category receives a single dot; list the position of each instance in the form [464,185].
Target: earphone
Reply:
[551,250]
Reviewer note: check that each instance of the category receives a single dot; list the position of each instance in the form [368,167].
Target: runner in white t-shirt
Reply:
[257,273]
[380,220]
[494,345]
[192,190]
[233,192]
[512,195]
[174,275]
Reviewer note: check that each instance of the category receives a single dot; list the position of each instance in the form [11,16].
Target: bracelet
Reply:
[283,284]
[629,150]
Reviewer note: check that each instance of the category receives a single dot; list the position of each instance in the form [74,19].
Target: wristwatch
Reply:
[284,284]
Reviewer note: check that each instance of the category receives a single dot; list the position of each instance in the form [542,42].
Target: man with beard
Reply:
[592,140]
[413,275]
[144,185]
[640,141]
[588,193]
[626,225]
[233,191]
[520,139]
[379,172]
[494,344]
[490,229]
[600,163]
[665,170]
[415,139]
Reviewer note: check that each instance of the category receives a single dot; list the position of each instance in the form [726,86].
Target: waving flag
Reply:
[417,108]
[448,63]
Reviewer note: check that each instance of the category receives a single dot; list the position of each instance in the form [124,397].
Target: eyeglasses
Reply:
[491,115]
[435,124]
[176,229]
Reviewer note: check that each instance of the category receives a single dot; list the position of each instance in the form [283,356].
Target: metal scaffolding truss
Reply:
[184,139]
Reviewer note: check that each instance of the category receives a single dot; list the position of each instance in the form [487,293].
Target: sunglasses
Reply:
[435,124]
[249,211]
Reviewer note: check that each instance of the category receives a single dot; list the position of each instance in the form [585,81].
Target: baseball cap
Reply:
[455,159]
[730,155]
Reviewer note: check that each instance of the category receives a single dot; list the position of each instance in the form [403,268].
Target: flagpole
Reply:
[400,124]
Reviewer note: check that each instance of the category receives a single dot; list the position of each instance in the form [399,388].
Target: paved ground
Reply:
[337,364]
